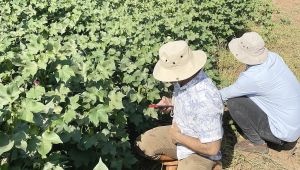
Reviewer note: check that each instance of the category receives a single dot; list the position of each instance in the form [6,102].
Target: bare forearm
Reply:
[194,144]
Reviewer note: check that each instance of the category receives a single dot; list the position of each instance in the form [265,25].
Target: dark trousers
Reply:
[252,120]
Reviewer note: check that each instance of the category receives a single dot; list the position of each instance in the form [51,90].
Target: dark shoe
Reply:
[247,146]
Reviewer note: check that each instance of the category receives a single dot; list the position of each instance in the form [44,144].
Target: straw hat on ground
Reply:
[178,62]
[249,49]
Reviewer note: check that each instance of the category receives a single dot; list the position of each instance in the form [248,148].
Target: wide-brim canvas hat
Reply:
[249,49]
[178,62]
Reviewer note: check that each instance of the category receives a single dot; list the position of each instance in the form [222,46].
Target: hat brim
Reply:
[183,72]
[244,57]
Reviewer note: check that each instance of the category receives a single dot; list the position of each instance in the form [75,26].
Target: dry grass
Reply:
[229,68]
[254,161]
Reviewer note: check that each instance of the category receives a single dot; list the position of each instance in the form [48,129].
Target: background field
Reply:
[76,75]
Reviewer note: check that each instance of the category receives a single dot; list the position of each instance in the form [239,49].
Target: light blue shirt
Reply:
[198,110]
[276,90]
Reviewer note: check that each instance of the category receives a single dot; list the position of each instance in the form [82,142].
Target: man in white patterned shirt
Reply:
[194,138]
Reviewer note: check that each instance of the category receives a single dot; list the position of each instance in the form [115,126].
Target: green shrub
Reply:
[76,74]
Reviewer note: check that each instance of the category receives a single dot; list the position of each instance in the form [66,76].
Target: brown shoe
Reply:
[247,146]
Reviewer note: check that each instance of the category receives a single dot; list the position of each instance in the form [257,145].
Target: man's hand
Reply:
[174,132]
[165,101]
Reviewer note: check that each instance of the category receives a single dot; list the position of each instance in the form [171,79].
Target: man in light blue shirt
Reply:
[265,99]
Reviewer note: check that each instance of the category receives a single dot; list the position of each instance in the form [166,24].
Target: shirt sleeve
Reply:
[243,86]
[209,117]
[211,129]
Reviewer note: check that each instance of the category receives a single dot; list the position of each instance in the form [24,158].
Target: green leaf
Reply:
[20,140]
[151,113]
[51,166]
[8,94]
[44,148]
[89,141]
[13,91]
[5,143]
[136,97]
[69,116]
[23,145]
[48,166]
[98,114]
[74,99]
[100,165]
[115,100]
[73,102]
[51,137]
[29,107]
[4,97]
[30,69]
[32,106]
[49,107]
[48,138]
[65,73]
[36,92]
[26,115]
[3,102]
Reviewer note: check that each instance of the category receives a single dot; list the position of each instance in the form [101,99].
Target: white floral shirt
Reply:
[198,110]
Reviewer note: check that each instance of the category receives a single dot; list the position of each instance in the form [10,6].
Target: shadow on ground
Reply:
[229,140]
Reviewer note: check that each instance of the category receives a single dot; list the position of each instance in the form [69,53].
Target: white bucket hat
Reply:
[249,49]
[178,62]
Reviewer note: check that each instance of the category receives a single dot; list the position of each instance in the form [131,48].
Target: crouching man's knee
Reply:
[156,142]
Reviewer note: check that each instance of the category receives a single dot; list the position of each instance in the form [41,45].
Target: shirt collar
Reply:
[200,76]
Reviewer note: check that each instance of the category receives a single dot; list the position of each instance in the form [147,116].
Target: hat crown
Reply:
[174,54]
[249,49]
[178,62]
[253,43]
